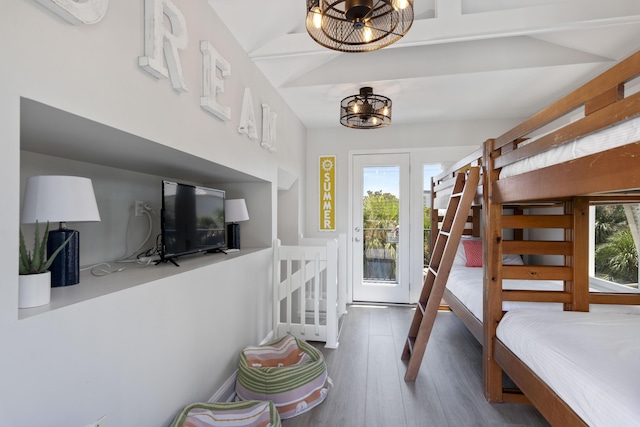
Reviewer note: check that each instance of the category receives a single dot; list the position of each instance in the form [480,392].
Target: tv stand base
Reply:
[171,260]
[216,250]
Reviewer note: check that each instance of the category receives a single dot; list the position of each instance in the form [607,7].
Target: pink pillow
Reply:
[473,252]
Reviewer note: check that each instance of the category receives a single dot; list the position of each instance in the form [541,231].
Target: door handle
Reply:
[357,239]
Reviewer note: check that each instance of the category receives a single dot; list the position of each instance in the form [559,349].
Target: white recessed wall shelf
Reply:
[125,168]
[48,130]
[133,275]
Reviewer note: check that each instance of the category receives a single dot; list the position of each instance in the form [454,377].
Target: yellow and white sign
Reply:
[327,193]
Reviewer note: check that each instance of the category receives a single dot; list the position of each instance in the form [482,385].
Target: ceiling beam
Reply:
[478,56]
[451,27]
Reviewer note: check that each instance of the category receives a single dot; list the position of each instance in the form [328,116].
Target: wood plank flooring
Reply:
[368,377]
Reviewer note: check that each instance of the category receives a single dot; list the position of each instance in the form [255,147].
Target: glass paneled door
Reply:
[380,232]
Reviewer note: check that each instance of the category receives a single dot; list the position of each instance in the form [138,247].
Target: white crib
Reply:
[310,291]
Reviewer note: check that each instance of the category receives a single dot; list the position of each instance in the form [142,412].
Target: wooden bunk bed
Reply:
[555,196]
[608,174]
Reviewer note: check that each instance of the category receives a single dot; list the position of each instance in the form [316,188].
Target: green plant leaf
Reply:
[25,258]
[47,264]
[41,258]
[38,256]
[37,262]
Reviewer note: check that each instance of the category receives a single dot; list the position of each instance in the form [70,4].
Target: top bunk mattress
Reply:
[614,136]
[590,360]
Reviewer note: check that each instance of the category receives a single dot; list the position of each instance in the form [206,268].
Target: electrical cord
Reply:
[152,251]
[144,242]
[143,258]
[148,256]
[145,261]
[99,271]
[135,253]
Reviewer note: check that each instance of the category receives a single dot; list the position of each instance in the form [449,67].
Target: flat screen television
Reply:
[192,220]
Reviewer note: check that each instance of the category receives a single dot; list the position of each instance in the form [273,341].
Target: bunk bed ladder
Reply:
[443,253]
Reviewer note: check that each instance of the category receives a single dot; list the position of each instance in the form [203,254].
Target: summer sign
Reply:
[327,193]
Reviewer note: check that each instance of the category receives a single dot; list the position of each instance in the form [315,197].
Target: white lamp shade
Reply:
[56,198]
[235,210]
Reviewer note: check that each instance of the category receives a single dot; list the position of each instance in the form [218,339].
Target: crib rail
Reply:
[309,290]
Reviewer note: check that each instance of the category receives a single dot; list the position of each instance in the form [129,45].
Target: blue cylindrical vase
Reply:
[65,269]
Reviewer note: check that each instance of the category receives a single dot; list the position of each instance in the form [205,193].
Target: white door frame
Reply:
[398,291]
[419,157]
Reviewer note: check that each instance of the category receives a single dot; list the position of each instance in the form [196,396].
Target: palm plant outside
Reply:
[616,257]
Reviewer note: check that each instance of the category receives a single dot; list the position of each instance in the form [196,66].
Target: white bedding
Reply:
[466,284]
[589,359]
[615,136]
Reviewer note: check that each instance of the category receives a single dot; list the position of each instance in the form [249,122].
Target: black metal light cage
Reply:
[358,25]
[365,110]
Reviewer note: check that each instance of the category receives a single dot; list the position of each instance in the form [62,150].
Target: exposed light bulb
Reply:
[356,108]
[400,4]
[385,111]
[317,17]
[367,34]
[374,120]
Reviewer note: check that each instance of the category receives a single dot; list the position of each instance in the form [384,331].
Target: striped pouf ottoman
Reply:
[249,413]
[289,372]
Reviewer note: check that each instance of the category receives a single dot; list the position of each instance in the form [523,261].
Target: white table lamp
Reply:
[53,198]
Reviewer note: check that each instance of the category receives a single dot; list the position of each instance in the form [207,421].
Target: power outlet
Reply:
[102,422]
[139,211]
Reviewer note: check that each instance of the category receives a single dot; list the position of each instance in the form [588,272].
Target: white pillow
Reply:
[512,259]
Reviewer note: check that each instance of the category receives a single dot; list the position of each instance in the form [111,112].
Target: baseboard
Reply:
[227,393]
[268,338]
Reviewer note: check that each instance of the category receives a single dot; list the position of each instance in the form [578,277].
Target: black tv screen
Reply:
[192,219]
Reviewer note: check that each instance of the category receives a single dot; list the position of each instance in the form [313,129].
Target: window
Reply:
[614,246]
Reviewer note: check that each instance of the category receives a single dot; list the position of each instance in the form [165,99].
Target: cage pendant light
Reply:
[358,25]
[365,110]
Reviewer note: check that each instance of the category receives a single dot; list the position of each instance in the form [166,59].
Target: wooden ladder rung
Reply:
[422,306]
[411,342]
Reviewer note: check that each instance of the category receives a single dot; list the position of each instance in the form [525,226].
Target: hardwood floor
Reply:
[368,378]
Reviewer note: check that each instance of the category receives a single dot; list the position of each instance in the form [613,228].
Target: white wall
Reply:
[429,143]
[139,354]
[287,215]
[439,142]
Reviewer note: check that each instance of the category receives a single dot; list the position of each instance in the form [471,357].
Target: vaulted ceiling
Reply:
[461,60]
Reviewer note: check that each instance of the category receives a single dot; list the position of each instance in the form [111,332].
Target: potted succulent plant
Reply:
[35,277]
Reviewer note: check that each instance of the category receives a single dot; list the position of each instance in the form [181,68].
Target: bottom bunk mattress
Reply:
[590,360]
[465,283]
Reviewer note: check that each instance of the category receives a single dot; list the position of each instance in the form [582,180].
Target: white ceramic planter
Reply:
[34,290]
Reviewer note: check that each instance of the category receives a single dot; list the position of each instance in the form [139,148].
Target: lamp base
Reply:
[233,236]
[65,269]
